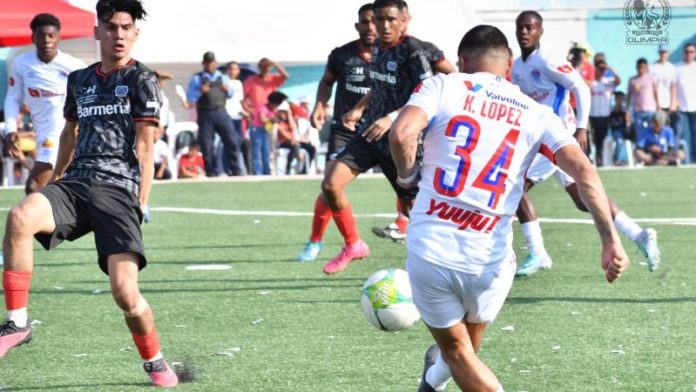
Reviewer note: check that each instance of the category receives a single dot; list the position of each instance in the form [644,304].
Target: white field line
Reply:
[389,215]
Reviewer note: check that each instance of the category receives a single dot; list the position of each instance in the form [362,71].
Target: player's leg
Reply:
[39,176]
[397,230]
[537,257]
[32,215]
[123,276]
[644,238]
[322,212]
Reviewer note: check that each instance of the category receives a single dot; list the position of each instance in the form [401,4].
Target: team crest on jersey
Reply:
[391,66]
[121,91]
[536,74]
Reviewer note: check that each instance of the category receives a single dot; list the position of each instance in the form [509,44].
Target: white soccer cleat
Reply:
[647,243]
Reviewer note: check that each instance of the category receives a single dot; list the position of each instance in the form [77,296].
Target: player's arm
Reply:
[324,91]
[403,141]
[351,117]
[13,102]
[144,145]
[66,149]
[565,75]
[443,66]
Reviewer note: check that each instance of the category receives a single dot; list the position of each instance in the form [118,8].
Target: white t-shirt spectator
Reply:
[234,102]
[663,75]
[686,86]
[602,89]
[161,150]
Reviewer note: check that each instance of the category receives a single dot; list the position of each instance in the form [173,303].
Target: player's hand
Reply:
[377,129]
[318,116]
[351,118]
[614,260]
[12,146]
[581,137]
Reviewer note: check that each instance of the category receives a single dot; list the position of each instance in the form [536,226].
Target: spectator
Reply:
[642,99]
[161,151]
[658,147]
[209,90]
[686,94]
[258,87]
[236,108]
[165,111]
[602,86]
[665,76]
[288,138]
[263,121]
[191,164]
[618,123]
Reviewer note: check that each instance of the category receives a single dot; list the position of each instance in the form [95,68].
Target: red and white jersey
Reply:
[548,79]
[483,134]
[42,86]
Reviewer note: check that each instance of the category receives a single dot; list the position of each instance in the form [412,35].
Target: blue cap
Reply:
[662,48]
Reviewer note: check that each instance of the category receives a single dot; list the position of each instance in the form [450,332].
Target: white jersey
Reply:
[483,134]
[548,79]
[42,86]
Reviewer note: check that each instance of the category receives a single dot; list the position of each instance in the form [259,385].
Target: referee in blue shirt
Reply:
[209,89]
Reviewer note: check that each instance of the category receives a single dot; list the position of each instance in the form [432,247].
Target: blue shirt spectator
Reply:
[664,138]
[193,93]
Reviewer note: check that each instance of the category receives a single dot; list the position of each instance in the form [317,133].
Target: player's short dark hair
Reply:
[276,98]
[365,8]
[107,8]
[483,38]
[44,19]
[619,94]
[531,13]
[641,60]
[399,4]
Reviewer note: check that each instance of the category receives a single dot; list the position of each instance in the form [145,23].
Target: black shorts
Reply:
[361,155]
[83,205]
[337,142]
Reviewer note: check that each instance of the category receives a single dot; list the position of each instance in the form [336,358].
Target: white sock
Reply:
[627,226]
[501,389]
[156,357]
[19,316]
[535,242]
[438,375]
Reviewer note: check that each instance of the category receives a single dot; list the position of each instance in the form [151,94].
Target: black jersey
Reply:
[350,68]
[394,72]
[106,106]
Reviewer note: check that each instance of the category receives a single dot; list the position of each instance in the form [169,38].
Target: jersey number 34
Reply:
[492,177]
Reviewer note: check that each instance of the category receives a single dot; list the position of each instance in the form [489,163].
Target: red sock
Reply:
[401,219]
[322,217]
[345,221]
[16,286]
[148,345]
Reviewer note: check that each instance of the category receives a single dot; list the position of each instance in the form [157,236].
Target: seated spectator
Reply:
[191,164]
[161,150]
[618,124]
[288,139]
[263,121]
[658,147]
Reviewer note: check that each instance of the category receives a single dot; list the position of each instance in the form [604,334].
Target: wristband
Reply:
[407,180]
[393,115]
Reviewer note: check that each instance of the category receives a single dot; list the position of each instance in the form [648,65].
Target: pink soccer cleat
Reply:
[349,253]
[12,336]
[161,374]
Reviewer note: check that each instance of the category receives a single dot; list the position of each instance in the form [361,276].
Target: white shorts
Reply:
[444,297]
[541,169]
[47,151]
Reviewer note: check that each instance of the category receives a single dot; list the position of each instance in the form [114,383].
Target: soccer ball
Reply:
[386,300]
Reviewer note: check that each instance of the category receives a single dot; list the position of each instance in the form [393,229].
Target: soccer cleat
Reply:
[161,374]
[532,264]
[391,232]
[349,253]
[430,357]
[12,336]
[310,252]
[647,243]
[146,214]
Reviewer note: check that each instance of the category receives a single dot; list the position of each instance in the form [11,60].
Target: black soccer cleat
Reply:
[430,357]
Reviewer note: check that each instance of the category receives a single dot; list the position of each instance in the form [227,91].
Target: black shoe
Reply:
[13,336]
[430,357]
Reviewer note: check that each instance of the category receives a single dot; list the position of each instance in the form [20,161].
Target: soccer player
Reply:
[399,63]
[38,78]
[347,67]
[547,79]
[482,135]
[103,176]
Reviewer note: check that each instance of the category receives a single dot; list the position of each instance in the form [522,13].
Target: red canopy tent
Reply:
[15,16]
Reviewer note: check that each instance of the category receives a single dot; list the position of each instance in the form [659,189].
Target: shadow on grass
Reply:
[535,300]
[324,279]
[92,387]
